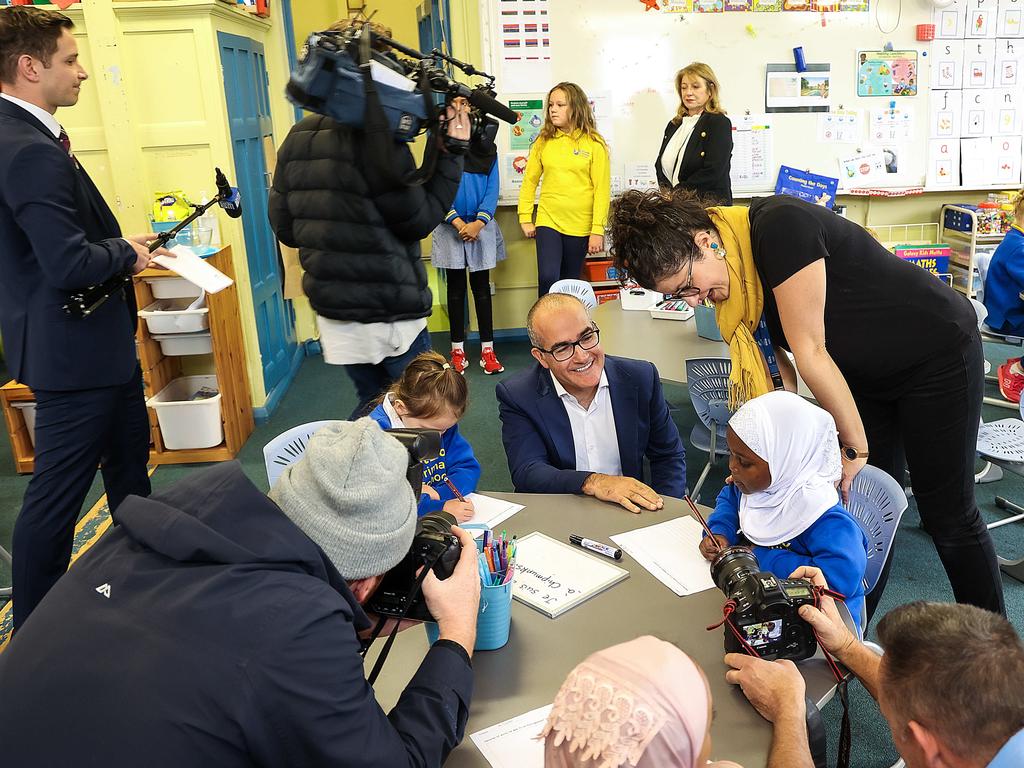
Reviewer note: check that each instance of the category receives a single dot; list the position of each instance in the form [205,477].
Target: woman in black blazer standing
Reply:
[696,151]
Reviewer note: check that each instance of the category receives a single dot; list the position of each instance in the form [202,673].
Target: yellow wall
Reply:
[153,116]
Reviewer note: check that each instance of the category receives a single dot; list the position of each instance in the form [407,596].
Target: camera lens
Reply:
[731,566]
[436,522]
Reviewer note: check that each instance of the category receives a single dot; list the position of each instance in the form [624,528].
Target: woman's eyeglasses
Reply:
[687,289]
[562,352]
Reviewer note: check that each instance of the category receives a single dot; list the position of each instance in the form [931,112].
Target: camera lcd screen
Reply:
[798,591]
[759,635]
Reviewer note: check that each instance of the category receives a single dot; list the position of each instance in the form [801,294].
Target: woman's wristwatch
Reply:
[852,454]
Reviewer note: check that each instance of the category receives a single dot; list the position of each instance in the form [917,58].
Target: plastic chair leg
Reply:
[990,473]
[695,494]
[1010,506]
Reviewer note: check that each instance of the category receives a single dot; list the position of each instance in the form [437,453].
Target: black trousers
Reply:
[559,257]
[480,282]
[932,420]
[75,431]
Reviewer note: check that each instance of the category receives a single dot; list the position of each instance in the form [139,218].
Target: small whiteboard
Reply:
[553,577]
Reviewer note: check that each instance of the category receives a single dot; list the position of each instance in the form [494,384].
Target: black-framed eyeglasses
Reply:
[589,339]
[688,289]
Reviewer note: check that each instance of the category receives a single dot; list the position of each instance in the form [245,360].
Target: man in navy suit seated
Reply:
[581,422]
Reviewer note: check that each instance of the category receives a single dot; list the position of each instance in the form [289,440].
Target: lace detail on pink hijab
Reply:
[605,717]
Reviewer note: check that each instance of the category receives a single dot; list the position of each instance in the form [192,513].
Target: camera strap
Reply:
[365,646]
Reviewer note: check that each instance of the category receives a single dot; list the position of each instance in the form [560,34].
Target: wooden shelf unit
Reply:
[159,370]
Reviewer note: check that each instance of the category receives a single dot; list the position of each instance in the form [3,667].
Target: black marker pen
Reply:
[595,546]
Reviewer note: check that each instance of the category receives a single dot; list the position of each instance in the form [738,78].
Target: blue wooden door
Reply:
[245,85]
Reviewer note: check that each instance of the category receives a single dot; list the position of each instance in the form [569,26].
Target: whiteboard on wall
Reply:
[614,47]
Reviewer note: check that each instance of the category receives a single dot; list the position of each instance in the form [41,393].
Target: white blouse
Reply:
[672,157]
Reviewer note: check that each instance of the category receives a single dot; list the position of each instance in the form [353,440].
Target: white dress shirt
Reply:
[593,430]
[38,113]
[672,157]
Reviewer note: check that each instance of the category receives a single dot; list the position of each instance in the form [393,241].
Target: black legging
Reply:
[558,257]
[481,284]
[932,419]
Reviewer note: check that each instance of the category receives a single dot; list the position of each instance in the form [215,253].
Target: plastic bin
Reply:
[600,269]
[172,288]
[603,297]
[636,298]
[28,413]
[177,344]
[173,316]
[186,423]
[958,220]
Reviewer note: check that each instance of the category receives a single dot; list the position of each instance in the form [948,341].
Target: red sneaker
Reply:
[1010,382]
[489,362]
[459,361]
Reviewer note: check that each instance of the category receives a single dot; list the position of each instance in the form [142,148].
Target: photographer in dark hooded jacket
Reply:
[358,232]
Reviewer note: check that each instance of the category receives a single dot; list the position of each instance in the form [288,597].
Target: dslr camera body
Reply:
[433,545]
[766,607]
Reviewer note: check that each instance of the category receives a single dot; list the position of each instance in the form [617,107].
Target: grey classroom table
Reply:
[528,671]
[666,343]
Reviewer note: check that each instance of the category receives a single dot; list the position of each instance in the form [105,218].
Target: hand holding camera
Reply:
[454,602]
[775,688]
[832,631]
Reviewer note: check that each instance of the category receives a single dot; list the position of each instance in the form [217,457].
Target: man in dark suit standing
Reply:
[57,235]
[582,422]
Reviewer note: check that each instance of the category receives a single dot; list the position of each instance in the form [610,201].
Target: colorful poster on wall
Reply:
[887,73]
[737,6]
[525,44]
[766,6]
[676,6]
[512,172]
[531,119]
[861,169]
[708,6]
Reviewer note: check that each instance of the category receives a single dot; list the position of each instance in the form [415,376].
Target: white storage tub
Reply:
[172,288]
[28,412]
[174,316]
[176,344]
[187,423]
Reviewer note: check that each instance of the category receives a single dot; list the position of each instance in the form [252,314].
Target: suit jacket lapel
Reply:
[625,407]
[555,419]
[11,109]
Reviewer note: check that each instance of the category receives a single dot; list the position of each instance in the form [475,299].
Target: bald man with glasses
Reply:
[579,421]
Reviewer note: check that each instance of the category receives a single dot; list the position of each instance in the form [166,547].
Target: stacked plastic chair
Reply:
[707,379]
[288,448]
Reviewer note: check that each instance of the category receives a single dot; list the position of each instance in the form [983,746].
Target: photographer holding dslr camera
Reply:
[214,626]
[949,683]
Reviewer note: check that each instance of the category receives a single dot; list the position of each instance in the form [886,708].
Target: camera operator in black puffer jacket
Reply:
[358,231]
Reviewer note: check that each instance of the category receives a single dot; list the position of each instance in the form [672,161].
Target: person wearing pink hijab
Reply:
[641,704]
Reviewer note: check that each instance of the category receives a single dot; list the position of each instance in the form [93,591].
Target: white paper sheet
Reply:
[490,511]
[195,270]
[512,744]
[670,552]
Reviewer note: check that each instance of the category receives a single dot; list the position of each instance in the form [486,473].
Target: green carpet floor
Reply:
[322,391]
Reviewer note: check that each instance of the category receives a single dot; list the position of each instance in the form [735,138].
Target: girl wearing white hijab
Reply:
[641,704]
[782,499]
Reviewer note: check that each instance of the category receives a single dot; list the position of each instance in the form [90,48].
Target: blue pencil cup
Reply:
[494,617]
[493,620]
[707,326]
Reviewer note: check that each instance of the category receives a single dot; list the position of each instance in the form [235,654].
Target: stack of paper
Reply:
[490,511]
[670,552]
[514,743]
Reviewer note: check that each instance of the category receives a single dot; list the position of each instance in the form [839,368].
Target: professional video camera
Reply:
[761,611]
[338,67]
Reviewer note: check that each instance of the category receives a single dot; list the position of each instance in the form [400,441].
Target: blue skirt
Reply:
[449,251]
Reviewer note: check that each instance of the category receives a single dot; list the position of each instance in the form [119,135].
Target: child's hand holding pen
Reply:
[462,511]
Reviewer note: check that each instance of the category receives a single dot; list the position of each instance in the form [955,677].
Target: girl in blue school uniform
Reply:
[782,498]
[1004,282]
[431,394]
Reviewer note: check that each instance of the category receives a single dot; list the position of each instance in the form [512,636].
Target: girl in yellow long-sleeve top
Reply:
[573,159]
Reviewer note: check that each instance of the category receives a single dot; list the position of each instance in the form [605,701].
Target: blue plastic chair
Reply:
[707,379]
[877,503]
[288,448]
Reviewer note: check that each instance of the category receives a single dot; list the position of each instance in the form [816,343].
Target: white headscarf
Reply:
[798,440]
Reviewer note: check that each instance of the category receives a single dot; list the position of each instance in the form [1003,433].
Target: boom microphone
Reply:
[490,106]
[228,197]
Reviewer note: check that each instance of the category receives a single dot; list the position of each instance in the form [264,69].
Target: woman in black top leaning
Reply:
[902,370]
[696,151]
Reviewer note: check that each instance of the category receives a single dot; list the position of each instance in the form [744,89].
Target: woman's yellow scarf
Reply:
[739,315]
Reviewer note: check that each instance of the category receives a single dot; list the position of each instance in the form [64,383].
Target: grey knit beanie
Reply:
[349,494]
